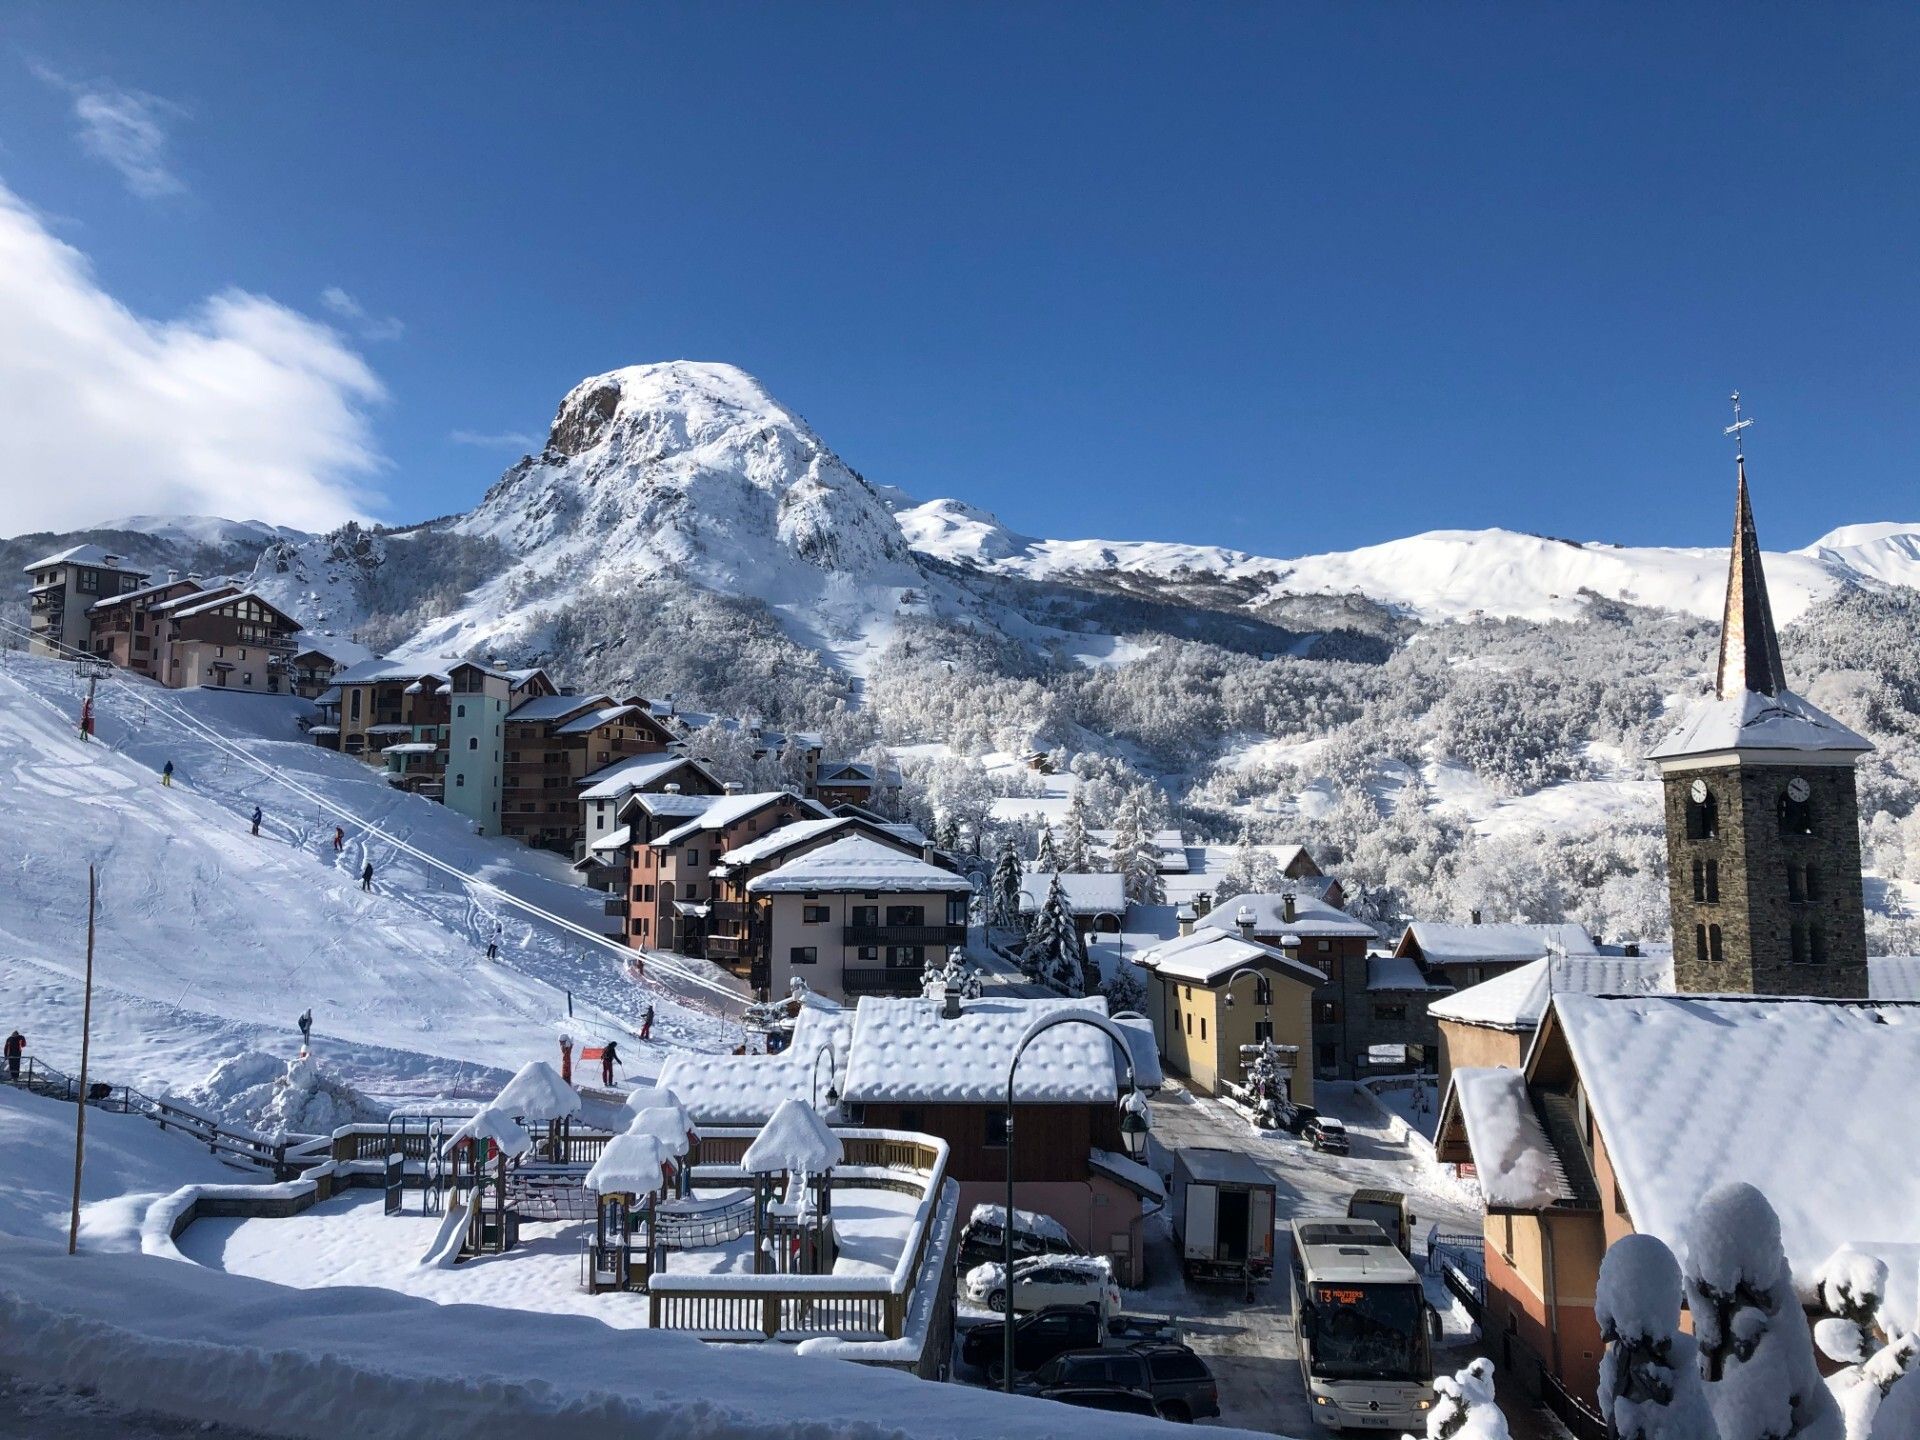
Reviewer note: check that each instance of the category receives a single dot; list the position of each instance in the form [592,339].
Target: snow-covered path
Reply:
[213,940]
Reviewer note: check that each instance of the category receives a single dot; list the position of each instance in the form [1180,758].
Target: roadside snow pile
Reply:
[260,1092]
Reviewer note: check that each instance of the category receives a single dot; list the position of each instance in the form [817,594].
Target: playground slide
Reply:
[452,1235]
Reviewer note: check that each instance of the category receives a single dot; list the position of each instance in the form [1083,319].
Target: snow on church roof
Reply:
[794,1138]
[1752,721]
[1798,1097]
[1894,977]
[857,863]
[1512,1159]
[1517,999]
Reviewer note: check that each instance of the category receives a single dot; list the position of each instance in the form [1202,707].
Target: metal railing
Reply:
[904,935]
[905,980]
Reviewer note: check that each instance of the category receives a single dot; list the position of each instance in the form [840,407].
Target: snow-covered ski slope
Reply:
[212,941]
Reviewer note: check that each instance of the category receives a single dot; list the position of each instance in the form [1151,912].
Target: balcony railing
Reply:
[731,947]
[904,981]
[904,935]
[731,911]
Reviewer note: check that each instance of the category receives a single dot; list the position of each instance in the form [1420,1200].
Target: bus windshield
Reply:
[1369,1332]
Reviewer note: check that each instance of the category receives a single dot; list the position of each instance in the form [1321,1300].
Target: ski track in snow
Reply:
[212,940]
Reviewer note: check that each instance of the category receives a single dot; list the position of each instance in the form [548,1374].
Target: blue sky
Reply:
[1285,277]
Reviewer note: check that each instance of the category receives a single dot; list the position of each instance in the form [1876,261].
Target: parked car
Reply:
[984,1237]
[1109,1398]
[1038,1337]
[1178,1380]
[1046,1281]
[1330,1135]
[1296,1118]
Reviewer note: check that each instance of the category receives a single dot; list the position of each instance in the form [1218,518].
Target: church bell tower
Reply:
[1763,828]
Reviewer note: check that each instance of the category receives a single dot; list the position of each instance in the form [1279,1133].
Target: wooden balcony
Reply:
[904,935]
[902,981]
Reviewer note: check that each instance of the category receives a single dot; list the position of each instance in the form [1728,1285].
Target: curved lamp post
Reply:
[1133,1134]
[833,1068]
[1263,986]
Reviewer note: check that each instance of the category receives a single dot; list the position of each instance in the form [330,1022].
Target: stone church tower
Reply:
[1763,829]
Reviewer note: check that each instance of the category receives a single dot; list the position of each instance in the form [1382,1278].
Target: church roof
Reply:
[1751,707]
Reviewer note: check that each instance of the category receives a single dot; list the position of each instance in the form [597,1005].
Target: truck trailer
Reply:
[1222,1209]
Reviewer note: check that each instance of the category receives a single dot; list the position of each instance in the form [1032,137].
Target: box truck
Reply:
[1222,1208]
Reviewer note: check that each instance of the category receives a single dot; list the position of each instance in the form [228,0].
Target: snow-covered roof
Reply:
[1399,972]
[857,863]
[667,1124]
[663,804]
[1799,1097]
[1138,1178]
[1311,916]
[905,1051]
[1100,892]
[1752,721]
[492,1123]
[848,774]
[1208,955]
[410,747]
[323,730]
[610,782]
[1517,999]
[1170,846]
[747,1089]
[336,648]
[94,555]
[391,728]
[785,838]
[605,715]
[729,809]
[615,839]
[329,696]
[794,1138]
[127,596]
[631,1164]
[556,707]
[536,1092]
[1512,1159]
[1894,977]
[381,671]
[1443,943]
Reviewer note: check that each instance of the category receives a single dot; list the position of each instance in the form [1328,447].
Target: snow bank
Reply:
[180,1340]
[273,1097]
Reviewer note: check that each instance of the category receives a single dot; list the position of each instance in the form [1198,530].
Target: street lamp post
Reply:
[833,1068]
[1133,1135]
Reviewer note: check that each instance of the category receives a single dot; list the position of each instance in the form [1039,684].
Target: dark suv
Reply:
[1179,1381]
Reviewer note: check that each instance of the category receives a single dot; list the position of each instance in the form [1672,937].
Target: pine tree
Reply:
[1003,907]
[1756,1354]
[1650,1374]
[1076,850]
[947,834]
[1125,990]
[1054,953]
[1242,871]
[1879,1390]
[1045,861]
[1135,857]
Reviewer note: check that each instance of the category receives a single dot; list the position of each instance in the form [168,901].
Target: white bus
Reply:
[1364,1327]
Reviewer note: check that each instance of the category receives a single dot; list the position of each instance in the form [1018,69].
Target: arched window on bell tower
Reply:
[1703,813]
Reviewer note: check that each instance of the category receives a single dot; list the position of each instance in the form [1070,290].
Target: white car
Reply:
[1045,1281]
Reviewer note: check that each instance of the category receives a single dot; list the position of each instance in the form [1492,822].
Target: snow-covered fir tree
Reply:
[1466,1409]
[1046,859]
[1125,988]
[1269,1079]
[1054,954]
[1878,1391]
[1003,902]
[1650,1387]
[1756,1353]
[1076,849]
[946,834]
[1135,858]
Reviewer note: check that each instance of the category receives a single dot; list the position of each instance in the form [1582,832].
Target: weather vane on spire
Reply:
[1738,425]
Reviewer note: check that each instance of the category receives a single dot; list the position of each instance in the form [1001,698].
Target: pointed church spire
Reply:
[1749,648]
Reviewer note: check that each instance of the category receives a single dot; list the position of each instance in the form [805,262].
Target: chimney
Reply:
[112,562]
[732,787]
[1474,916]
[1185,915]
[173,576]
[1202,904]
[672,787]
[1286,908]
[950,1002]
[1243,917]
[1632,950]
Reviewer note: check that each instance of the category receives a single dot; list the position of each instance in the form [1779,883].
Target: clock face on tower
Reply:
[1698,790]
[1798,790]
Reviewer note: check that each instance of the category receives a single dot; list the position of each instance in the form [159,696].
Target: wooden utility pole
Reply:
[80,1110]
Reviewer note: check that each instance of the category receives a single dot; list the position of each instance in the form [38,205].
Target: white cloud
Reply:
[366,326]
[500,440]
[125,128]
[242,408]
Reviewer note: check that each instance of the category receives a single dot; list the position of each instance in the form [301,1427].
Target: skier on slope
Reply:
[646,1024]
[339,839]
[166,773]
[366,876]
[306,1028]
[256,819]
[609,1057]
[16,1047]
[493,942]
